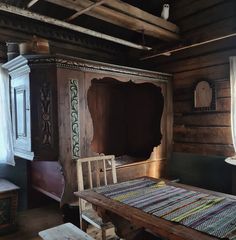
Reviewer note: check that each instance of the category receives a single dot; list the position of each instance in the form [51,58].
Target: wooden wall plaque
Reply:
[204,96]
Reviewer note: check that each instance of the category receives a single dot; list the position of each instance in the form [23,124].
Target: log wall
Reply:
[202,132]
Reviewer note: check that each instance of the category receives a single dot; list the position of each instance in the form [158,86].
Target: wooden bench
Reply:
[63,232]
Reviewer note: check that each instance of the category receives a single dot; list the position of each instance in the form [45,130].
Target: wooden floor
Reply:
[32,221]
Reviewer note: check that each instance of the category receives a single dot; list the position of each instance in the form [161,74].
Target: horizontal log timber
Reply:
[181,107]
[21,12]
[192,7]
[223,84]
[206,34]
[186,93]
[222,105]
[192,52]
[202,18]
[212,73]
[204,149]
[86,10]
[201,132]
[214,30]
[210,135]
[223,92]
[140,14]
[192,63]
[216,119]
[119,19]
[183,94]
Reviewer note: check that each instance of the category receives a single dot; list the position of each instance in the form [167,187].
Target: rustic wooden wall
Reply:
[204,132]
[201,140]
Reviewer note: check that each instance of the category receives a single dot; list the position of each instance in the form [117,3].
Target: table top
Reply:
[6,186]
[158,226]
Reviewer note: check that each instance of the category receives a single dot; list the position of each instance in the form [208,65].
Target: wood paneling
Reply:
[204,149]
[202,132]
[205,60]
[47,178]
[212,135]
[211,73]
[192,7]
[210,119]
[197,20]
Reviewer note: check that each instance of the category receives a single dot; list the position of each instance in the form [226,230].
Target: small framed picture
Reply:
[204,96]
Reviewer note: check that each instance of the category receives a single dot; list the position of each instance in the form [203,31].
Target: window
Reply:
[6,140]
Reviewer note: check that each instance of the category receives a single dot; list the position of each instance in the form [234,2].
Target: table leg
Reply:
[124,228]
[234,181]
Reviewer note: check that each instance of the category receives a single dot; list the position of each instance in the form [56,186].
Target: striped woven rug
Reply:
[206,213]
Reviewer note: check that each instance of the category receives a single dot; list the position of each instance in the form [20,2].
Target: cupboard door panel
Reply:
[20,94]
[20,110]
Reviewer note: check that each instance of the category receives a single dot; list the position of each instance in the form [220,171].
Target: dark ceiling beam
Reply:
[25,13]
[122,19]
[143,15]
[86,10]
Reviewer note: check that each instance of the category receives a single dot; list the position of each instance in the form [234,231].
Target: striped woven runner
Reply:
[206,213]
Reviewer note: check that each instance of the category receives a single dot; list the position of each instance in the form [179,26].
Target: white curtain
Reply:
[6,137]
[233,98]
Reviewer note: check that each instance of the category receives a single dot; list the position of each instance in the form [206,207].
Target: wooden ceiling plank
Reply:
[31,3]
[86,10]
[140,14]
[120,19]
[67,4]
[49,20]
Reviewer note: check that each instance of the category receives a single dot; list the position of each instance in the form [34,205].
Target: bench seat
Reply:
[64,231]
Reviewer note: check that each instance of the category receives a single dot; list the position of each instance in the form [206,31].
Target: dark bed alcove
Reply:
[126,118]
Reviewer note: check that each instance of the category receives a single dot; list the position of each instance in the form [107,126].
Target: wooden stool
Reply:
[63,232]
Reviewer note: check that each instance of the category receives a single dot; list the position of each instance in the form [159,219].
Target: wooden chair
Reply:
[64,231]
[96,175]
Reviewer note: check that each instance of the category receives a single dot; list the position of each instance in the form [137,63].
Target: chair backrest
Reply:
[98,166]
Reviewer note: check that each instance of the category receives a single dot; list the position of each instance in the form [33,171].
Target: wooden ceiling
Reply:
[130,23]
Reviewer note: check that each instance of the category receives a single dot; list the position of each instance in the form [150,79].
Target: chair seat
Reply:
[64,231]
[92,217]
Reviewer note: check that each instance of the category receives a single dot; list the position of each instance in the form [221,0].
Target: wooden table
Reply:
[133,223]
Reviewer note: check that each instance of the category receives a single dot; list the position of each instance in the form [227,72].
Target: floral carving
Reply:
[46,107]
[74,114]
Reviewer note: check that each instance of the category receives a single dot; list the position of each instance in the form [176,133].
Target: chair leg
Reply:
[84,226]
[104,233]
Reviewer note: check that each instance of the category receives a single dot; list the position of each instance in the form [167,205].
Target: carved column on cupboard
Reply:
[52,120]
